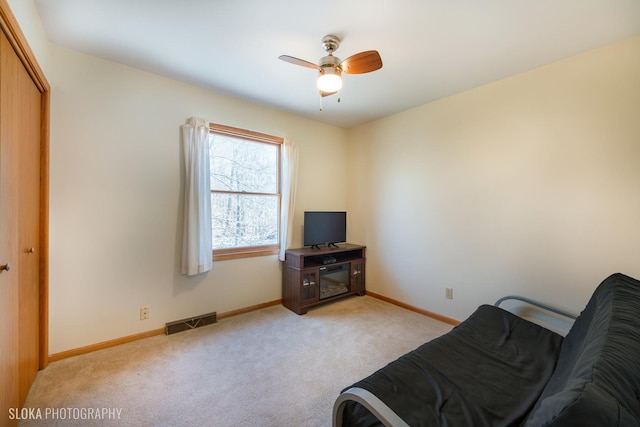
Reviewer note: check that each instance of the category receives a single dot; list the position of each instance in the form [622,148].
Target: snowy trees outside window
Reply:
[245,190]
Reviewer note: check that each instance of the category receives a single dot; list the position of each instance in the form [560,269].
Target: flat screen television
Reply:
[325,228]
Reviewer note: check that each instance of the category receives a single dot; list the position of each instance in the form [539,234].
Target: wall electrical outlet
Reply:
[144,313]
[448,293]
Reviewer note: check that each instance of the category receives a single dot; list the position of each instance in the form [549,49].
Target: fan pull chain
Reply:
[321,102]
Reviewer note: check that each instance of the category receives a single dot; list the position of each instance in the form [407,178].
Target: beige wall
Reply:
[116,199]
[529,185]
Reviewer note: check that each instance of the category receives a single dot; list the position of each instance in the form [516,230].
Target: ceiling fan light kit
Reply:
[329,80]
[330,68]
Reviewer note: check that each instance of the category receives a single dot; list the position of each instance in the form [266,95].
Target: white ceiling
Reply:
[430,48]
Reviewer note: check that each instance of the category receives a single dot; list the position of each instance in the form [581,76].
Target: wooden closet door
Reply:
[20,107]
[9,387]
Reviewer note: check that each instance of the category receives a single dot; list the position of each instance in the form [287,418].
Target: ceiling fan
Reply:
[330,68]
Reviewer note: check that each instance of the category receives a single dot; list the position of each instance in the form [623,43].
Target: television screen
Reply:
[324,228]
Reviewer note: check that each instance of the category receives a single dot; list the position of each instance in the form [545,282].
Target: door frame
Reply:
[9,25]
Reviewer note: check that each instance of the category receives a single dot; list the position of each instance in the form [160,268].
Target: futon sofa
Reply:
[497,369]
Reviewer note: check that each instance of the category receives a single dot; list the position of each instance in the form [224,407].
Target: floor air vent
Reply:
[190,323]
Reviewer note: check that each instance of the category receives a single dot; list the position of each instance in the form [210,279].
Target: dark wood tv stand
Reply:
[315,276]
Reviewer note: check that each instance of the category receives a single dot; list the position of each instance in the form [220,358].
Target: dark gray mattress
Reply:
[597,378]
[436,385]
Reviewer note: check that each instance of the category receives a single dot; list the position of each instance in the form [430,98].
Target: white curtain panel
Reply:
[197,255]
[289,181]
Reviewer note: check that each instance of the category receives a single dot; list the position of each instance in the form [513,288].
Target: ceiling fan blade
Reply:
[327,93]
[363,62]
[297,61]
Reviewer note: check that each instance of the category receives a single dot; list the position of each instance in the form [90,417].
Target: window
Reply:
[245,193]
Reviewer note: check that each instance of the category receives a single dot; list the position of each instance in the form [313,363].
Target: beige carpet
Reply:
[266,368]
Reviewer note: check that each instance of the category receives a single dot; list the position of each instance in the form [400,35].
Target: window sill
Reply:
[236,253]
